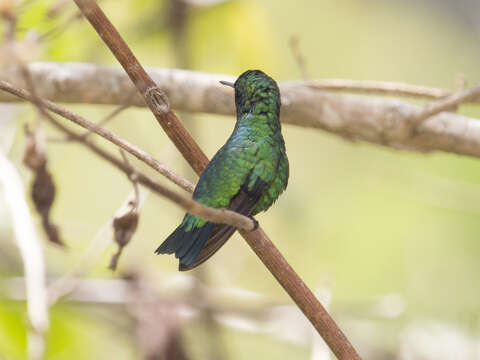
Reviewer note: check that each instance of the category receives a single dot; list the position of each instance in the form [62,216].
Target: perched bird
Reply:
[246,175]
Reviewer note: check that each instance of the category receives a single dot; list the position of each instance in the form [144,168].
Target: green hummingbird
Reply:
[246,175]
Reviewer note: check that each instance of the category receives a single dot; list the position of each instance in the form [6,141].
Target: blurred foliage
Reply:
[364,220]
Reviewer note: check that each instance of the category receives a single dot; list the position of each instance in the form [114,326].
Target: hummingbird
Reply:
[246,175]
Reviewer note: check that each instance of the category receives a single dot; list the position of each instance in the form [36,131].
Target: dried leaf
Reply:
[43,191]
[52,232]
[124,227]
[43,188]
[43,196]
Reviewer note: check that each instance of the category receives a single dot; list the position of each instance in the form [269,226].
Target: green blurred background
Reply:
[360,220]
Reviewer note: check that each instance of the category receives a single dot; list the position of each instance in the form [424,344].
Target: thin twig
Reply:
[109,117]
[258,240]
[451,101]
[373,87]
[65,24]
[133,177]
[298,56]
[102,122]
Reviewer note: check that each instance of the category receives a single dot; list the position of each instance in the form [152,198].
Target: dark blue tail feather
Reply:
[189,258]
[171,244]
[187,245]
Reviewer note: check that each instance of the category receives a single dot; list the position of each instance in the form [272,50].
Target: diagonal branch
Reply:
[258,240]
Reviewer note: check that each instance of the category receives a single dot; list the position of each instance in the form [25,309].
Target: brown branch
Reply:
[258,240]
[301,294]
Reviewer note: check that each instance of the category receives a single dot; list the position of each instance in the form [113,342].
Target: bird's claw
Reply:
[255,223]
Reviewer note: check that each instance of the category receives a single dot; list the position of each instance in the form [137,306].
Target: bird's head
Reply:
[254,87]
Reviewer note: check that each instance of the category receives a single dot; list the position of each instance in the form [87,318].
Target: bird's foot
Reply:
[255,223]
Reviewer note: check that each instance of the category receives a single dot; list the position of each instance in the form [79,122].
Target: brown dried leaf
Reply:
[124,227]
[52,232]
[43,191]
[43,196]
[43,188]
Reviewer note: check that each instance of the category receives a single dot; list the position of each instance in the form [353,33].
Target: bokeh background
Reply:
[389,239]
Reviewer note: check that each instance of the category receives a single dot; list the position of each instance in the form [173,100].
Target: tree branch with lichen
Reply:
[318,104]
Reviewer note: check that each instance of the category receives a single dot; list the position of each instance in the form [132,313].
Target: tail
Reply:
[195,246]
[220,234]
[186,245]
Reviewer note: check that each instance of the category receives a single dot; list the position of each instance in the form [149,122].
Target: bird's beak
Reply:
[228,83]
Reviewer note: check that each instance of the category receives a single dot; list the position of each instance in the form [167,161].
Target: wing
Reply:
[244,202]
